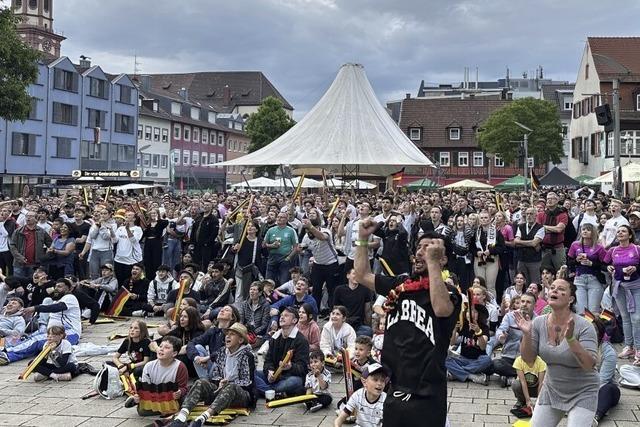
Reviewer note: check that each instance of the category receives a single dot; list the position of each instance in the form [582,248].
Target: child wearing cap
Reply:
[367,403]
[231,383]
[159,289]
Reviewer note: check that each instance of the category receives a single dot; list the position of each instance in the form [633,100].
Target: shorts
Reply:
[408,410]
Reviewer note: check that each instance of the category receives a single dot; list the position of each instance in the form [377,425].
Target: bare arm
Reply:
[438,292]
[527,243]
[363,273]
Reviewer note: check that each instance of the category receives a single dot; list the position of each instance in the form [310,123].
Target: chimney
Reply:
[407,96]
[85,61]
[145,82]
[184,94]
[226,95]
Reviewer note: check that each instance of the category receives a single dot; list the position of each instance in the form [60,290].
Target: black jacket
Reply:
[278,348]
[205,230]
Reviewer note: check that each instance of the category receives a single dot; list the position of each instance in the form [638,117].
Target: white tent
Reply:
[260,182]
[307,183]
[630,173]
[361,185]
[348,128]
[132,186]
[469,184]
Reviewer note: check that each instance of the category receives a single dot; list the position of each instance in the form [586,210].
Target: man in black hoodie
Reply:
[204,233]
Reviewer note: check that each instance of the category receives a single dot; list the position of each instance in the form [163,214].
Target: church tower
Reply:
[36,28]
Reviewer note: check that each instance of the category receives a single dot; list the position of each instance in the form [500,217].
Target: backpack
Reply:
[107,382]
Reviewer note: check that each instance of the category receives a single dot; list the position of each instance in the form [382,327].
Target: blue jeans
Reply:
[96,260]
[204,373]
[33,345]
[588,293]
[23,271]
[278,270]
[630,321]
[461,367]
[364,330]
[172,252]
[291,385]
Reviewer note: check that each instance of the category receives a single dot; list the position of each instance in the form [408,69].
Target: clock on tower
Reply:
[36,26]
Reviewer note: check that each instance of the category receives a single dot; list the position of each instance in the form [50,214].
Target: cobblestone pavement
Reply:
[25,403]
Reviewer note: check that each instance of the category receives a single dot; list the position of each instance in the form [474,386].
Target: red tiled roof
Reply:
[616,56]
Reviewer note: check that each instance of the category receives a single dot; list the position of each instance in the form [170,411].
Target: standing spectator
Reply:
[172,241]
[395,244]
[28,245]
[282,243]
[204,234]
[554,220]
[584,258]
[99,244]
[460,261]
[528,241]
[249,262]
[7,227]
[61,252]
[488,243]
[610,229]
[128,251]
[79,230]
[152,235]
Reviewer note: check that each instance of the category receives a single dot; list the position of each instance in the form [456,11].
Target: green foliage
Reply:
[266,125]
[18,69]
[545,142]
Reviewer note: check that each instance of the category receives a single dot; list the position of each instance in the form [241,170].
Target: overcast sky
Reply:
[300,44]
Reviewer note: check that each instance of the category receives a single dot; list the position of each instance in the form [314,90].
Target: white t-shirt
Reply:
[611,228]
[69,318]
[45,226]
[586,219]
[4,238]
[368,414]
[128,251]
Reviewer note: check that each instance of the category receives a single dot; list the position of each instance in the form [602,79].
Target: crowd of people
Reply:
[526,289]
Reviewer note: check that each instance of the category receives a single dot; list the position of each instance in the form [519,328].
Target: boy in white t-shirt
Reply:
[367,403]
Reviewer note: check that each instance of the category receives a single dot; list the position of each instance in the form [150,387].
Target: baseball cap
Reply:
[374,368]
[635,213]
[108,266]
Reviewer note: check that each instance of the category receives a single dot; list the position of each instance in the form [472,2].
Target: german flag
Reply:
[158,398]
[118,302]
[607,315]
[589,316]
[397,177]
[535,182]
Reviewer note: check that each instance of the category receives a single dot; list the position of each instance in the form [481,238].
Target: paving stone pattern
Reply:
[50,404]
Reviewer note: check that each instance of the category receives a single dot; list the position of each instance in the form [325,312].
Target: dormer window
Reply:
[454,134]
[415,134]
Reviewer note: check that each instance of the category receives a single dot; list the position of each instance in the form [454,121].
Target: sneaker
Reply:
[61,377]
[316,407]
[38,377]
[138,313]
[524,412]
[518,405]
[197,422]
[4,359]
[627,352]
[130,402]
[504,381]
[479,379]
[636,361]
[449,376]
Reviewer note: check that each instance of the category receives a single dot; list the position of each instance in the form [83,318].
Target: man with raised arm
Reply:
[421,314]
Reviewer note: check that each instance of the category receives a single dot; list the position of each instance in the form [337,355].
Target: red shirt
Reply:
[552,239]
[29,245]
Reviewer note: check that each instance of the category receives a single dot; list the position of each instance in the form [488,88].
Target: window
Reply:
[212,159]
[126,153]
[565,131]
[211,117]
[186,135]
[176,131]
[63,147]
[155,161]
[530,163]
[454,134]
[186,158]
[445,160]
[125,94]
[33,110]
[97,118]
[176,108]
[205,136]
[98,88]
[196,135]
[203,159]
[463,159]
[586,71]
[630,143]
[164,161]
[498,161]
[568,104]
[638,102]
[478,159]
[65,80]
[124,123]
[212,138]
[23,144]
[146,160]
[220,159]
[165,135]
[65,114]
[140,128]
[195,113]
[92,151]
[195,158]
[220,140]
[175,155]
[156,134]
[415,134]
[33,4]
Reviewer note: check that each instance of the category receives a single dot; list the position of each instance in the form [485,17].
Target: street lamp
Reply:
[140,150]
[526,152]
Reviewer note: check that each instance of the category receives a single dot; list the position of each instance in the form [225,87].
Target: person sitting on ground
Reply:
[317,382]
[138,286]
[474,331]
[61,363]
[357,300]
[134,352]
[288,288]
[163,384]
[291,380]
[300,296]
[215,291]
[65,312]
[337,334]
[12,324]
[367,403]
[104,288]
[159,289]
[528,385]
[185,276]
[89,307]
[309,327]
[540,306]
[609,392]
[231,383]
[254,314]
[268,289]
[361,358]
[201,350]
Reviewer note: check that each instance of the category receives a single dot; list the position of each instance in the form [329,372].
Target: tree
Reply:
[264,126]
[499,132]
[18,69]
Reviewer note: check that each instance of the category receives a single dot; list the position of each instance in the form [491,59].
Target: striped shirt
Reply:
[322,250]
